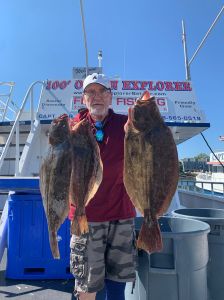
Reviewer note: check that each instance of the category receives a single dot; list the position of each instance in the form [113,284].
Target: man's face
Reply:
[97,99]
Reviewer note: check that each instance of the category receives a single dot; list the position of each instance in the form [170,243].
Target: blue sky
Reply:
[140,40]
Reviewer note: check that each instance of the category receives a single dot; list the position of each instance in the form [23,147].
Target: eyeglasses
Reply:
[92,94]
[99,131]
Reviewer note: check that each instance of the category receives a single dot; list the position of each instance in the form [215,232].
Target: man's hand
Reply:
[130,118]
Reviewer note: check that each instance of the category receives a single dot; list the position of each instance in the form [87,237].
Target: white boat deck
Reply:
[36,289]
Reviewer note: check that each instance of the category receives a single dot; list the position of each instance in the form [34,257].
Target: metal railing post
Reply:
[31,110]
[17,151]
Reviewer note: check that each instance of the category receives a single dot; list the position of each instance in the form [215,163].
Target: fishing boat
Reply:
[207,188]
[24,143]
[213,180]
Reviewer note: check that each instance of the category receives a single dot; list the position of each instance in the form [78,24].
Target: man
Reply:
[107,254]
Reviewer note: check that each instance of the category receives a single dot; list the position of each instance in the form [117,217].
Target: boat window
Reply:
[214,169]
[220,169]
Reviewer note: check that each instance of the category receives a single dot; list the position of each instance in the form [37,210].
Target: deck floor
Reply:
[36,289]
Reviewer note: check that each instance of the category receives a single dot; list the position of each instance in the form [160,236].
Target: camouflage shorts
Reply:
[107,251]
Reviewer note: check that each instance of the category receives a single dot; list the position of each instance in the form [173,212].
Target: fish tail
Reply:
[149,238]
[54,244]
[79,225]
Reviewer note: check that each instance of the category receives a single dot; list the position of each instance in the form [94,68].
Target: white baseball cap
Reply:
[97,78]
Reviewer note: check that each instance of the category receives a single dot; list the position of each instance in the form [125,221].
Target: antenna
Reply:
[100,57]
[85,40]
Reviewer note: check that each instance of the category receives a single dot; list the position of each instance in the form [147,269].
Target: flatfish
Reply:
[55,173]
[87,173]
[150,168]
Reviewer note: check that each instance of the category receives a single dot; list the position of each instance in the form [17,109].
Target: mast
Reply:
[187,68]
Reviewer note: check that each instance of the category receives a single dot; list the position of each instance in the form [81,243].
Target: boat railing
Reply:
[29,98]
[204,176]
[7,106]
[208,187]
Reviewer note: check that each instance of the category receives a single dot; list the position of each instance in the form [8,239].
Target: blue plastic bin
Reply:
[29,255]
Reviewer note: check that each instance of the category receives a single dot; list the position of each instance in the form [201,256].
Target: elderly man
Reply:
[107,254]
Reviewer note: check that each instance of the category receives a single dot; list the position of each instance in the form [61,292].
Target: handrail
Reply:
[202,186]
[8,95]
[7,103]
[16,123]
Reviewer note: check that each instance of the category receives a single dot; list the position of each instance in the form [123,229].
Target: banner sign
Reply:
[176,100]
[219,155]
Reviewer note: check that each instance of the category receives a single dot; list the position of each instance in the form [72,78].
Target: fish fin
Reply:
[79,225]
[149,238]
[75,228]
[83,224]
[54,244]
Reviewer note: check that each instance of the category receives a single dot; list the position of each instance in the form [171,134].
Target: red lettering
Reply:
[161,101]
[144,84]
[120,101]
[48,87]
[125,101]
[135,85]
[55,85]
[187,86]
[130,101]
[78,84]
[168,85]
[126,85]
[63,85]
[178,86]
[77,100]
[160,85]
[151,87]
[114,84]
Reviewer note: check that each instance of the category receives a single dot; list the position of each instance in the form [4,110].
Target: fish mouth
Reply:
[145,99]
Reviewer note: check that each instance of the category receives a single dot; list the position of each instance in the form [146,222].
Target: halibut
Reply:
[150,168]
[55,173]
[87,173]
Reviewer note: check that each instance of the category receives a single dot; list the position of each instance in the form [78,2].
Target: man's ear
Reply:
[83,100]
[111,96]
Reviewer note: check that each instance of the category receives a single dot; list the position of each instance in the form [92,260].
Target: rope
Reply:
[212,150]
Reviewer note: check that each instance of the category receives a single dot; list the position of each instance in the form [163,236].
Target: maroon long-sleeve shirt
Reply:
[111,201]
